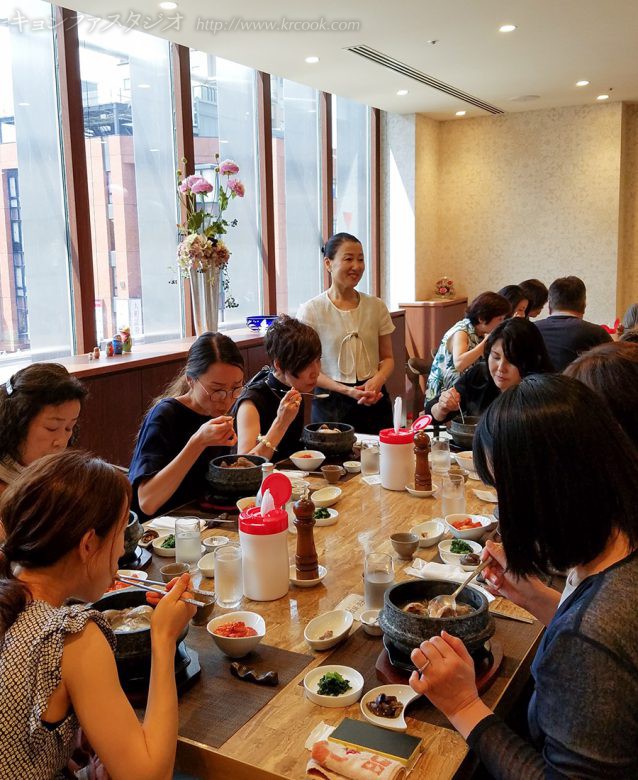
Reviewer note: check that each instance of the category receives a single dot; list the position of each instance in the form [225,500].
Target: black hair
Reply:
[514,294]
[630,318]
[486,306]
[630,336]
[24,396]
[536,294]
[332,245]
[540,445]
[567,294]
[292,343]
[523,346]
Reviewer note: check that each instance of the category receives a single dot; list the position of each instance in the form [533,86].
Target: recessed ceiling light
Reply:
[602,97]
[402,92]
[312,60]
[460,113]
[168,5]
[144,86]
[507,28]
[582,83]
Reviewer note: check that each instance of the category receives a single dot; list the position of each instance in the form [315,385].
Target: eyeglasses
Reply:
[222,395]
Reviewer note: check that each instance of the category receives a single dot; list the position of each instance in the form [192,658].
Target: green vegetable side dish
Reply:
[169,542]
[333,684]
[321,514]
[459,547]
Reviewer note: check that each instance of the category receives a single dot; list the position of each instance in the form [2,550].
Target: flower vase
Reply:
[205,299]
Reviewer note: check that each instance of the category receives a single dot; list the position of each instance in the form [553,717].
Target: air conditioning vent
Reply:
[405,70]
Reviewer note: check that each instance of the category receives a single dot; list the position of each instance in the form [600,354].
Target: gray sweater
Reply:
[583,715]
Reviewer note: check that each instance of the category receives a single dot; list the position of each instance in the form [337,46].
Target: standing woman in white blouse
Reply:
[356,347]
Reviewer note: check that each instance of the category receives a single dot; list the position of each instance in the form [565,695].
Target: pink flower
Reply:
[201,186]
[186,183]
[236,187]
[228,168]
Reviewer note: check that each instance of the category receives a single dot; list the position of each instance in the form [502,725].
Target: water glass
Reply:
[453,495]
[229,586]
[378,575]
[440,456]
[369,459]
[188,540]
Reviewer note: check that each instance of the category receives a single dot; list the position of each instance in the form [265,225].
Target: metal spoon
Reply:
[314,395]
[448,600]
[462,418]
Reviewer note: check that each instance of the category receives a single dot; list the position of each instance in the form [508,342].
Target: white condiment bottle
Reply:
[264,546]
[396,458]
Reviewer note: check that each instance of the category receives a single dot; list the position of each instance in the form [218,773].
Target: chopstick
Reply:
[142,584]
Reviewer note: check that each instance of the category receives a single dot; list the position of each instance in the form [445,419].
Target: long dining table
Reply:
[271,743]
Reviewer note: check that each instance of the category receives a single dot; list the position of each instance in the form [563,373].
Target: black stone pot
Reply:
[132,535]
[463,432]
[332,445]
[133,651]
[235,483]
[406,630]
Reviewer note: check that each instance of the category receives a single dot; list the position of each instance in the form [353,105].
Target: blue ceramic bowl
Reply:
[254,322]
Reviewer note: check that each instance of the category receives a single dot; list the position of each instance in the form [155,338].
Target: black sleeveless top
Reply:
[266,391]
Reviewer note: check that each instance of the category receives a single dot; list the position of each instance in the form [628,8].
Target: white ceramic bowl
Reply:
[455,558]
[403,693]
[434,530]
[308,464]
[339,622]
[326,496]
[465,459]
[207,565]
[370,621]
[311,684]
[332,518]
[211,543]
[133,574]
[246,503]
[163,552]
[237,647]
[487,524]
[352,466]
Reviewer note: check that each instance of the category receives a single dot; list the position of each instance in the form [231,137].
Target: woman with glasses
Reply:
[187,427]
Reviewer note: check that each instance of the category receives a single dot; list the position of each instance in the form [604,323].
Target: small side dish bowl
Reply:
[172,570]
[206,564]
[369,619]
[246,503]
[429,533]
[163,552]
[405,544]
[487,524]
[402,693]
[465,459]
[326,496]
[133,574]
[211,543]
[352,466]
[336,623]
[307,460]
[202,614]
[454,559]
[311,685]
[238,647]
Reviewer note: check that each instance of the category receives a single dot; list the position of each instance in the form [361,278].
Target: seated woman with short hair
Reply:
[270,411]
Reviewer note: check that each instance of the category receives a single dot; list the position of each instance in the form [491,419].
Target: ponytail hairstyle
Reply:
[334,242]
[47,511]
[26,393]
[205,351]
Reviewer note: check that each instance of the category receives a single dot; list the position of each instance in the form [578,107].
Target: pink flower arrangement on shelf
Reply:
[444,287]
[202,248]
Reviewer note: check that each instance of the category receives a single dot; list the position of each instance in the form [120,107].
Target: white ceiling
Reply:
[556,43]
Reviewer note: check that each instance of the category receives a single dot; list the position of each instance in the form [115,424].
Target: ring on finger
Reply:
[421,669]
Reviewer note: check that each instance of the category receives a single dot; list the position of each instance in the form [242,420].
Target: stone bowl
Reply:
[406,631]
[463,432]
[235,483]
[132,534]
[333,445]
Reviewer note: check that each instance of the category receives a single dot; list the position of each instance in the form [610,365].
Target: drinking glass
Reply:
[378,575]
[453,495]
[188,540]
[229,586]
[440,456]
[369,459]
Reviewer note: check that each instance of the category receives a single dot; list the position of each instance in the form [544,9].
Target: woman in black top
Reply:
[513,350]
[270,411]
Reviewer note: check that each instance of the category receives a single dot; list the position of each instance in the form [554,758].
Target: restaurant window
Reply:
[351,170]
[129,139]
[224,98]
[297,192]
[35,300]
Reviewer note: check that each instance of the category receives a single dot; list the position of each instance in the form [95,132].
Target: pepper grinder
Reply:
[306,563]
[422,474]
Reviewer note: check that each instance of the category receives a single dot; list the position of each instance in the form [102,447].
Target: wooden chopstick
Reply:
[142,584]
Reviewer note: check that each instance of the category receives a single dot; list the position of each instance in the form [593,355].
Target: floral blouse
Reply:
[443,375]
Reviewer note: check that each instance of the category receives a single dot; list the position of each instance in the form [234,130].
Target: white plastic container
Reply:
[264,545]
[396,458]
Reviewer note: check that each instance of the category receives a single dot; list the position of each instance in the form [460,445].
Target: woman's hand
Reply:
[447,675]
[217,432]
[171,614]
[289,407]
[372,391]
[449,401]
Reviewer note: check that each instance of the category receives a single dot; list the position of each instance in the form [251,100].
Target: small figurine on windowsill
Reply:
[109,349]
[96,353]
[117,344]
[127,339]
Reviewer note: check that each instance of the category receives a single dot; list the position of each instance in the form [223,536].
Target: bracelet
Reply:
[263,440]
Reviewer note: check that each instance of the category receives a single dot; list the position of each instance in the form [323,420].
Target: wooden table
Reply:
[271,744]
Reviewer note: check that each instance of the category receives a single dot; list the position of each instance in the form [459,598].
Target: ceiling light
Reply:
[168,5]
[582,83]
[402,92]
[460,113]
[602,97]
[312,60]
[507,28]
[432,41]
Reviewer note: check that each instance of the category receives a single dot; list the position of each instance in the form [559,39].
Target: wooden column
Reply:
[267,199]
[327,174]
